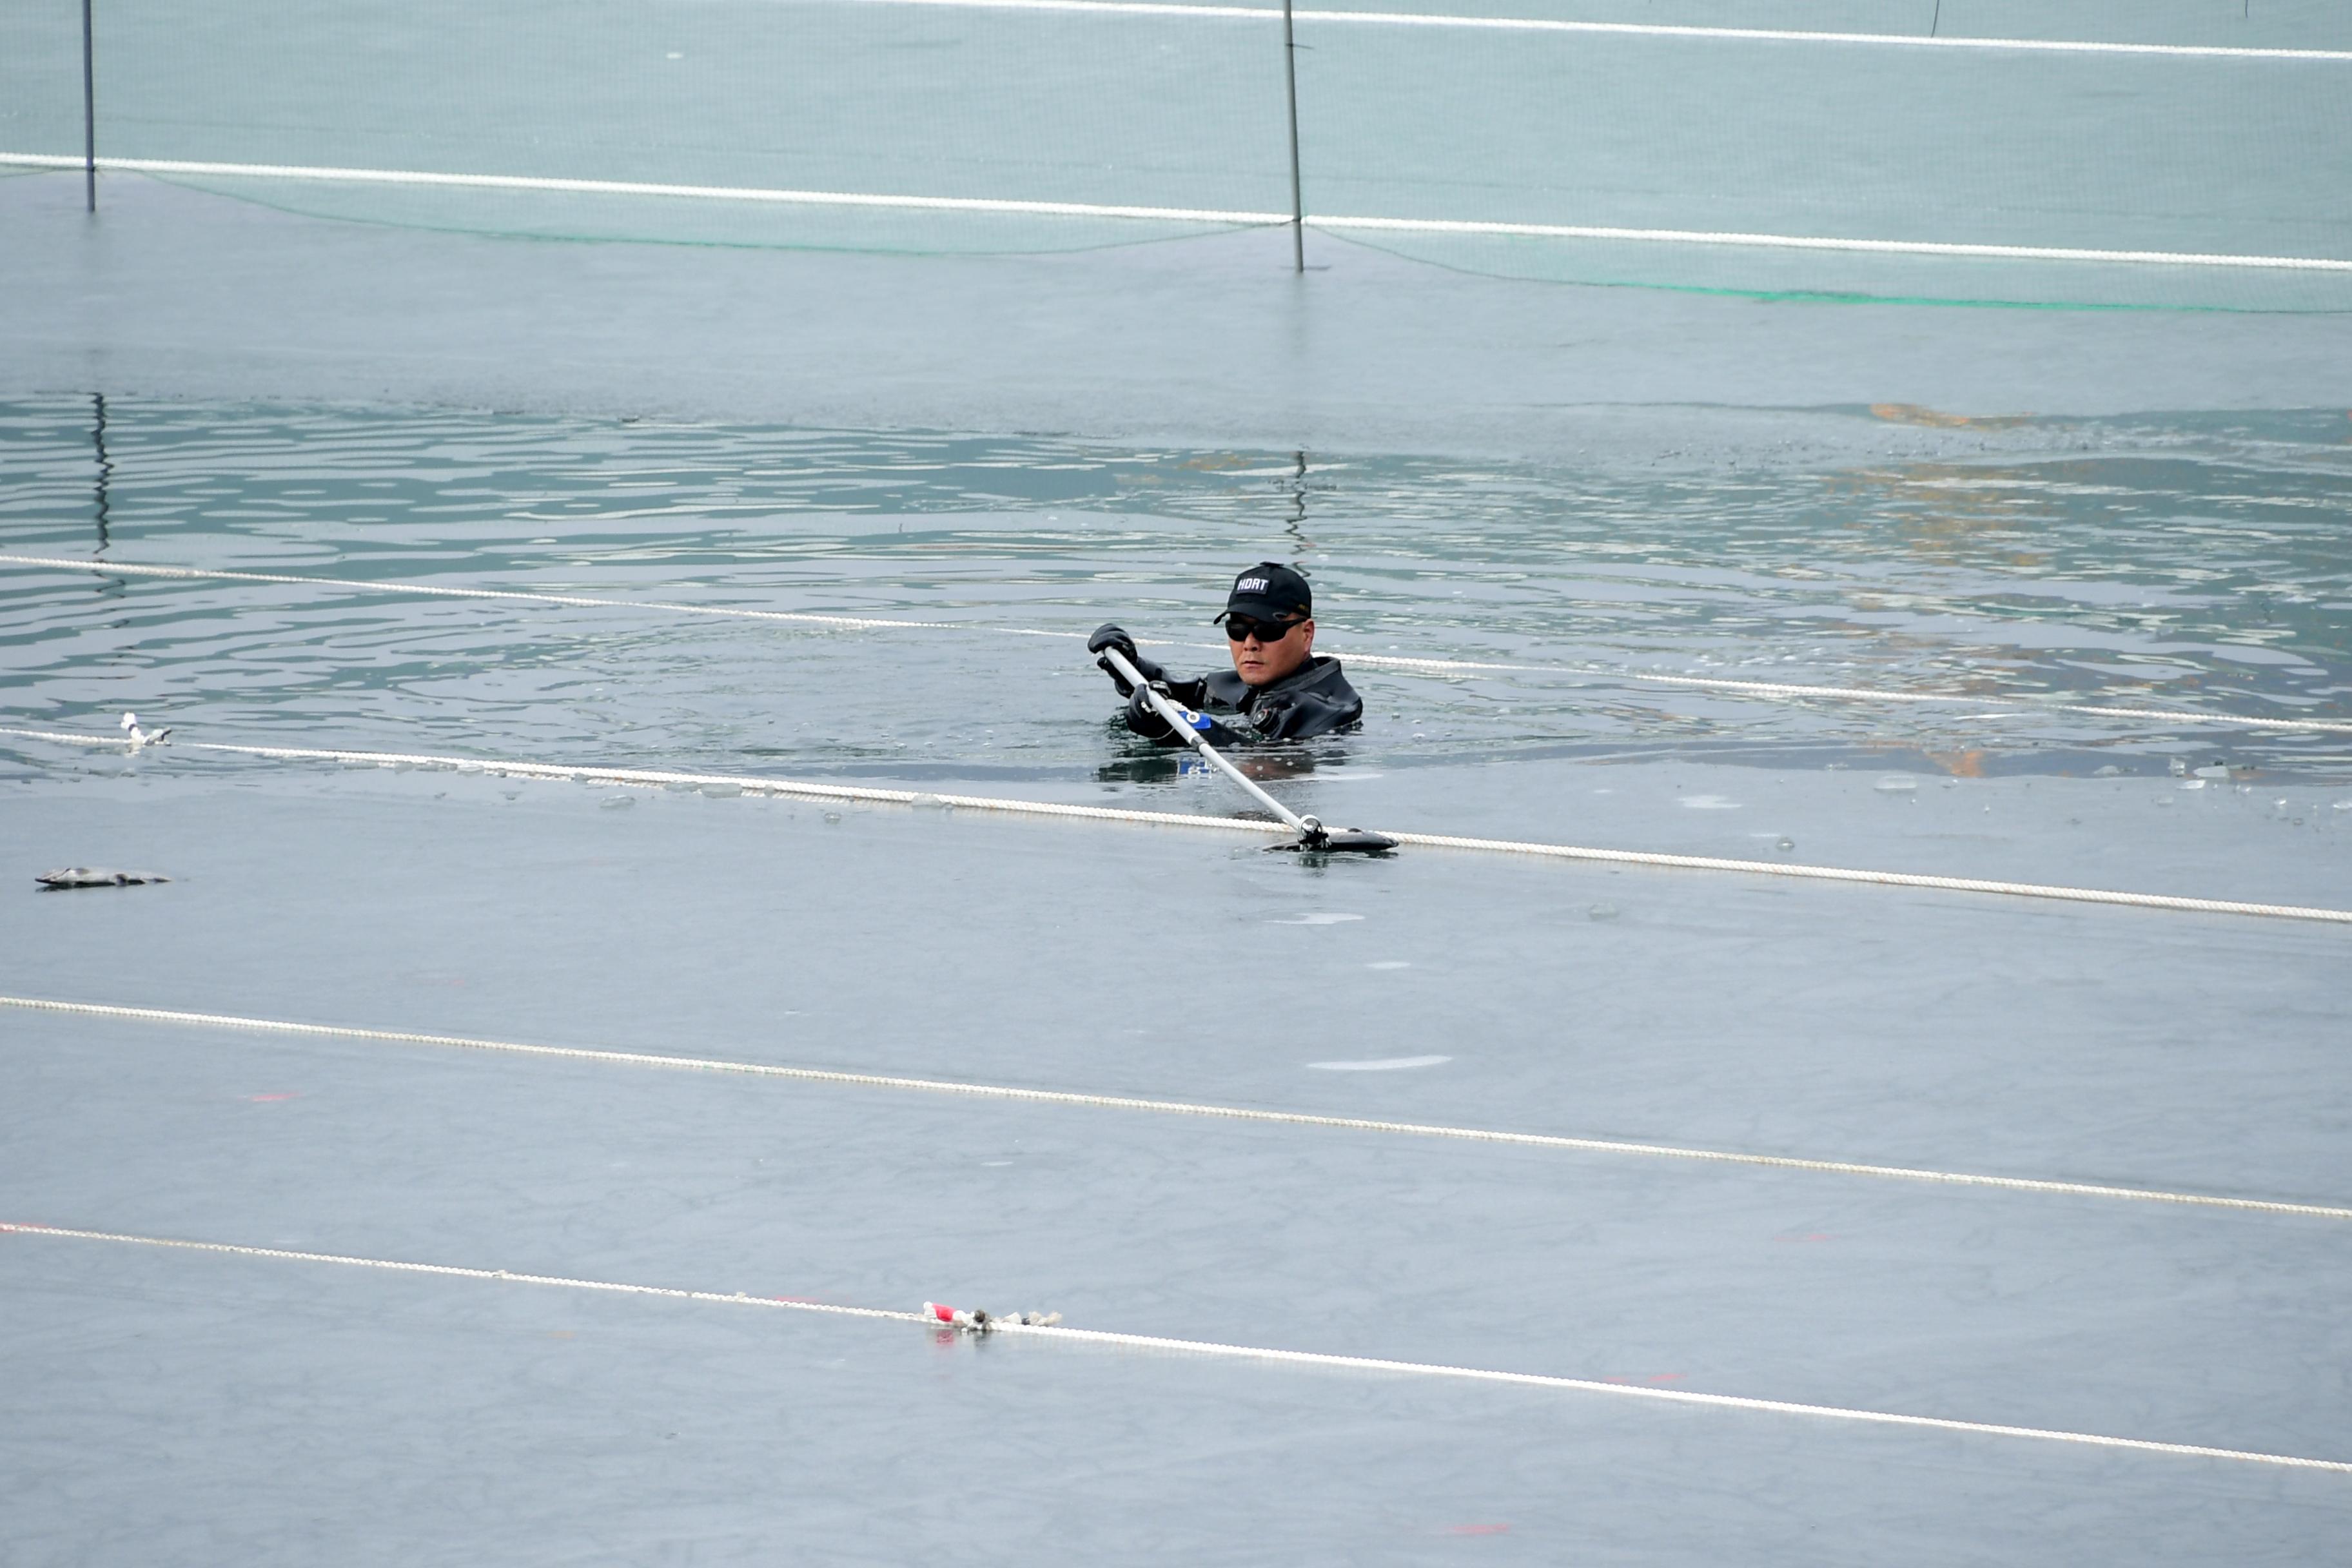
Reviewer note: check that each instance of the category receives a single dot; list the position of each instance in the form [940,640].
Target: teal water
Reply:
[2195,561]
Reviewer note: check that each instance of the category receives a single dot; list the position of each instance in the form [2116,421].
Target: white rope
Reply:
[1382,661]
[767,195]
[1882,878]
[1627,29]
[756,784]
[1823,242]
[451,1272]
[1173,1107]
[1209,1348]
[761,196]
[858,795]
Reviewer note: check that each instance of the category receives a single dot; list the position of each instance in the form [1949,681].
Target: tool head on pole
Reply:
[1318,839]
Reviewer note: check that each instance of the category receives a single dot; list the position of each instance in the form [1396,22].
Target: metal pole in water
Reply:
[89,115]
[1180,722]
[1290,77]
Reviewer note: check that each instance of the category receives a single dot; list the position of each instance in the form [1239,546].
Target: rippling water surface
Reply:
[2186,562]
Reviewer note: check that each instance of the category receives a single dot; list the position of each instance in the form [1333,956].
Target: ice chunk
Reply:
[96,877]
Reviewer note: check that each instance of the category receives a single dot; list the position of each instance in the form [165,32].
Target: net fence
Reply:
[2169,153]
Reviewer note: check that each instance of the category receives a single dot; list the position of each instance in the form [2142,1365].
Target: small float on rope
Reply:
[979,1321]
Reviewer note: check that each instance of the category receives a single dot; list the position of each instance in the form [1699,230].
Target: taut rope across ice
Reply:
[1263,1353]
[181,1019]
[753,783]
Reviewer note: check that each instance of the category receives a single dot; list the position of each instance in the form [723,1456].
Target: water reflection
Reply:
[102,503]
[105,470]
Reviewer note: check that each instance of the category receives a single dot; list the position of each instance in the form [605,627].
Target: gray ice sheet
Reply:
[200,1407]
[1857,1022]
[289,1413]
[2179,1325]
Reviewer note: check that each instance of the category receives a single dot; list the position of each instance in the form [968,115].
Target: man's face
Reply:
[1262,663]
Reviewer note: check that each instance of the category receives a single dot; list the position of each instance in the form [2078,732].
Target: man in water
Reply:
[1277,690]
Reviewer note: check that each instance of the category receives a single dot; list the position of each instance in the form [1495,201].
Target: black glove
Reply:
[1110,635]
[1145,718]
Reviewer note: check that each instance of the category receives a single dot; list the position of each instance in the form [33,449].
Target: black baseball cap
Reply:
[1269,591]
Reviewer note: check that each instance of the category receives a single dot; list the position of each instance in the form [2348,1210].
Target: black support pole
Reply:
[90,114]
[1297,206]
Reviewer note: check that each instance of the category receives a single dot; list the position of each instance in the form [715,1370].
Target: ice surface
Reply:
[536,1428]
[2084,1043]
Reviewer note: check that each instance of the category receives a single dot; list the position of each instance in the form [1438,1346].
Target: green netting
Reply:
[1858,141]
[1831,278]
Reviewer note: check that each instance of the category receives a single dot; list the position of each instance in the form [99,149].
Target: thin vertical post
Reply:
[1290,77]
[90,114]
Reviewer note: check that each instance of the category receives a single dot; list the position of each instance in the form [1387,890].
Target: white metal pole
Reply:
[1181,720]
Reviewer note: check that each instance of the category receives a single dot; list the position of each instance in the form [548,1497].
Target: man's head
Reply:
[1268,621]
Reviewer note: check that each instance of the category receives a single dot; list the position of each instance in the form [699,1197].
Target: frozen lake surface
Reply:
[276,1410]
[465,1167]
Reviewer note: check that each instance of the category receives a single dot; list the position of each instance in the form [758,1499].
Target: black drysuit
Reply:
[1313,700]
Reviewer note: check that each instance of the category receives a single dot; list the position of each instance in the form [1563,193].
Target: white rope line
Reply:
[750,783]
[1382,661]
[987,204]
[1825,242]
[1206,1347]
[1628,29]
[453,1271]
[757,785]
[1882,878]
[1174,1108]
[756,193]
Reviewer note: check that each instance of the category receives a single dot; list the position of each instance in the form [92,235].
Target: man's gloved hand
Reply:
[1145,718]
[1110,635]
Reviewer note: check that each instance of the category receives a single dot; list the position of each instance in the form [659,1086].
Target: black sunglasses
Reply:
[1241,628]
